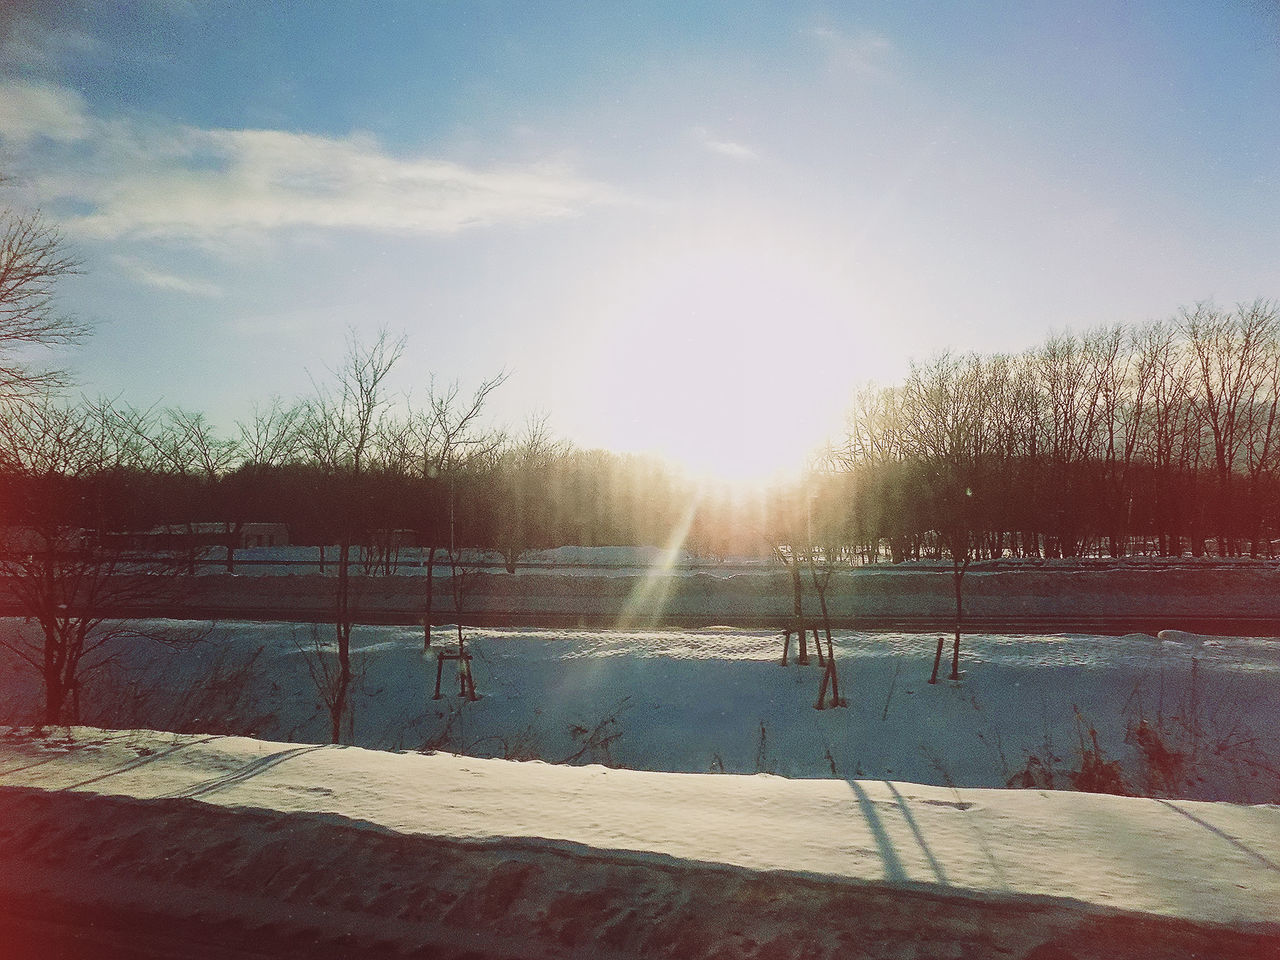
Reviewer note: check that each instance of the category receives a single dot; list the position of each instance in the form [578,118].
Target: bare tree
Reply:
[268,440]
[1170,427]
[270,436]
[523,465]
[1262,441]
[787,535]
[338,431]
[65,560]
[1070,370]
[947,430]
[33,257]
[188,449]
[440,442]
[825,524]
[1229,354]
[874,449]
[1117,427]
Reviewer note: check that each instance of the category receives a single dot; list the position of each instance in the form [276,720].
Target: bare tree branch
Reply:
[33,257]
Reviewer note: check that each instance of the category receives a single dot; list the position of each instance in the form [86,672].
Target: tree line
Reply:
[420,476]
[1161,438]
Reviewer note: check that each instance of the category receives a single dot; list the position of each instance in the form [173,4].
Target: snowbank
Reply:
[612,861]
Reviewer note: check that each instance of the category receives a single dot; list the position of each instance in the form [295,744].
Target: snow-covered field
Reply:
[717,700]
[891,842]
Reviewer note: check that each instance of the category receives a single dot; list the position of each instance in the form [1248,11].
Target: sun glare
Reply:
[731,357]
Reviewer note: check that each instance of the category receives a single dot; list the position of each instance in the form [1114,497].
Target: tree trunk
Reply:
[426,619]
[55,694]
[342,623]
[957,574]
[830,673]
[802,654]
[342,686]
[60,657]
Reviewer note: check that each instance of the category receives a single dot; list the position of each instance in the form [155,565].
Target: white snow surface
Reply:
[717,700]
[891,835]
[1206,862]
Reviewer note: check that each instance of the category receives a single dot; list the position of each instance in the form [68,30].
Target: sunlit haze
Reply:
[691,229]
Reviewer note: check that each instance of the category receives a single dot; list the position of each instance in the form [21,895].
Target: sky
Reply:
[691,228]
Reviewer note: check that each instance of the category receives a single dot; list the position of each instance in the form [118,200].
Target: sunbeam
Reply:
[648,598]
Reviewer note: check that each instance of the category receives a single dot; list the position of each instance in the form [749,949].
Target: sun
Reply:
[726,358]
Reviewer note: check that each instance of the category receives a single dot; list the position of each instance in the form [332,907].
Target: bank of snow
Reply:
[1211,865]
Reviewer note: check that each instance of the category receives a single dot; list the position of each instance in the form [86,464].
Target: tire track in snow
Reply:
[244,773]
[140,762]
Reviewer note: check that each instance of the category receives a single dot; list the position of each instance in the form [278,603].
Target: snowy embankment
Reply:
[392,853]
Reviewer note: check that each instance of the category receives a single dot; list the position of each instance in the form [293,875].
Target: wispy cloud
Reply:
[32,110]
[864,52]
[725,148]
[157,180]
[162,280]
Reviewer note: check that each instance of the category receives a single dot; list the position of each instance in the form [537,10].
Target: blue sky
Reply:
[663,219]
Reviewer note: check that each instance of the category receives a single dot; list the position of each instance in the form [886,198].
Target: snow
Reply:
[899,790]
[1207,863]
[716,699]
